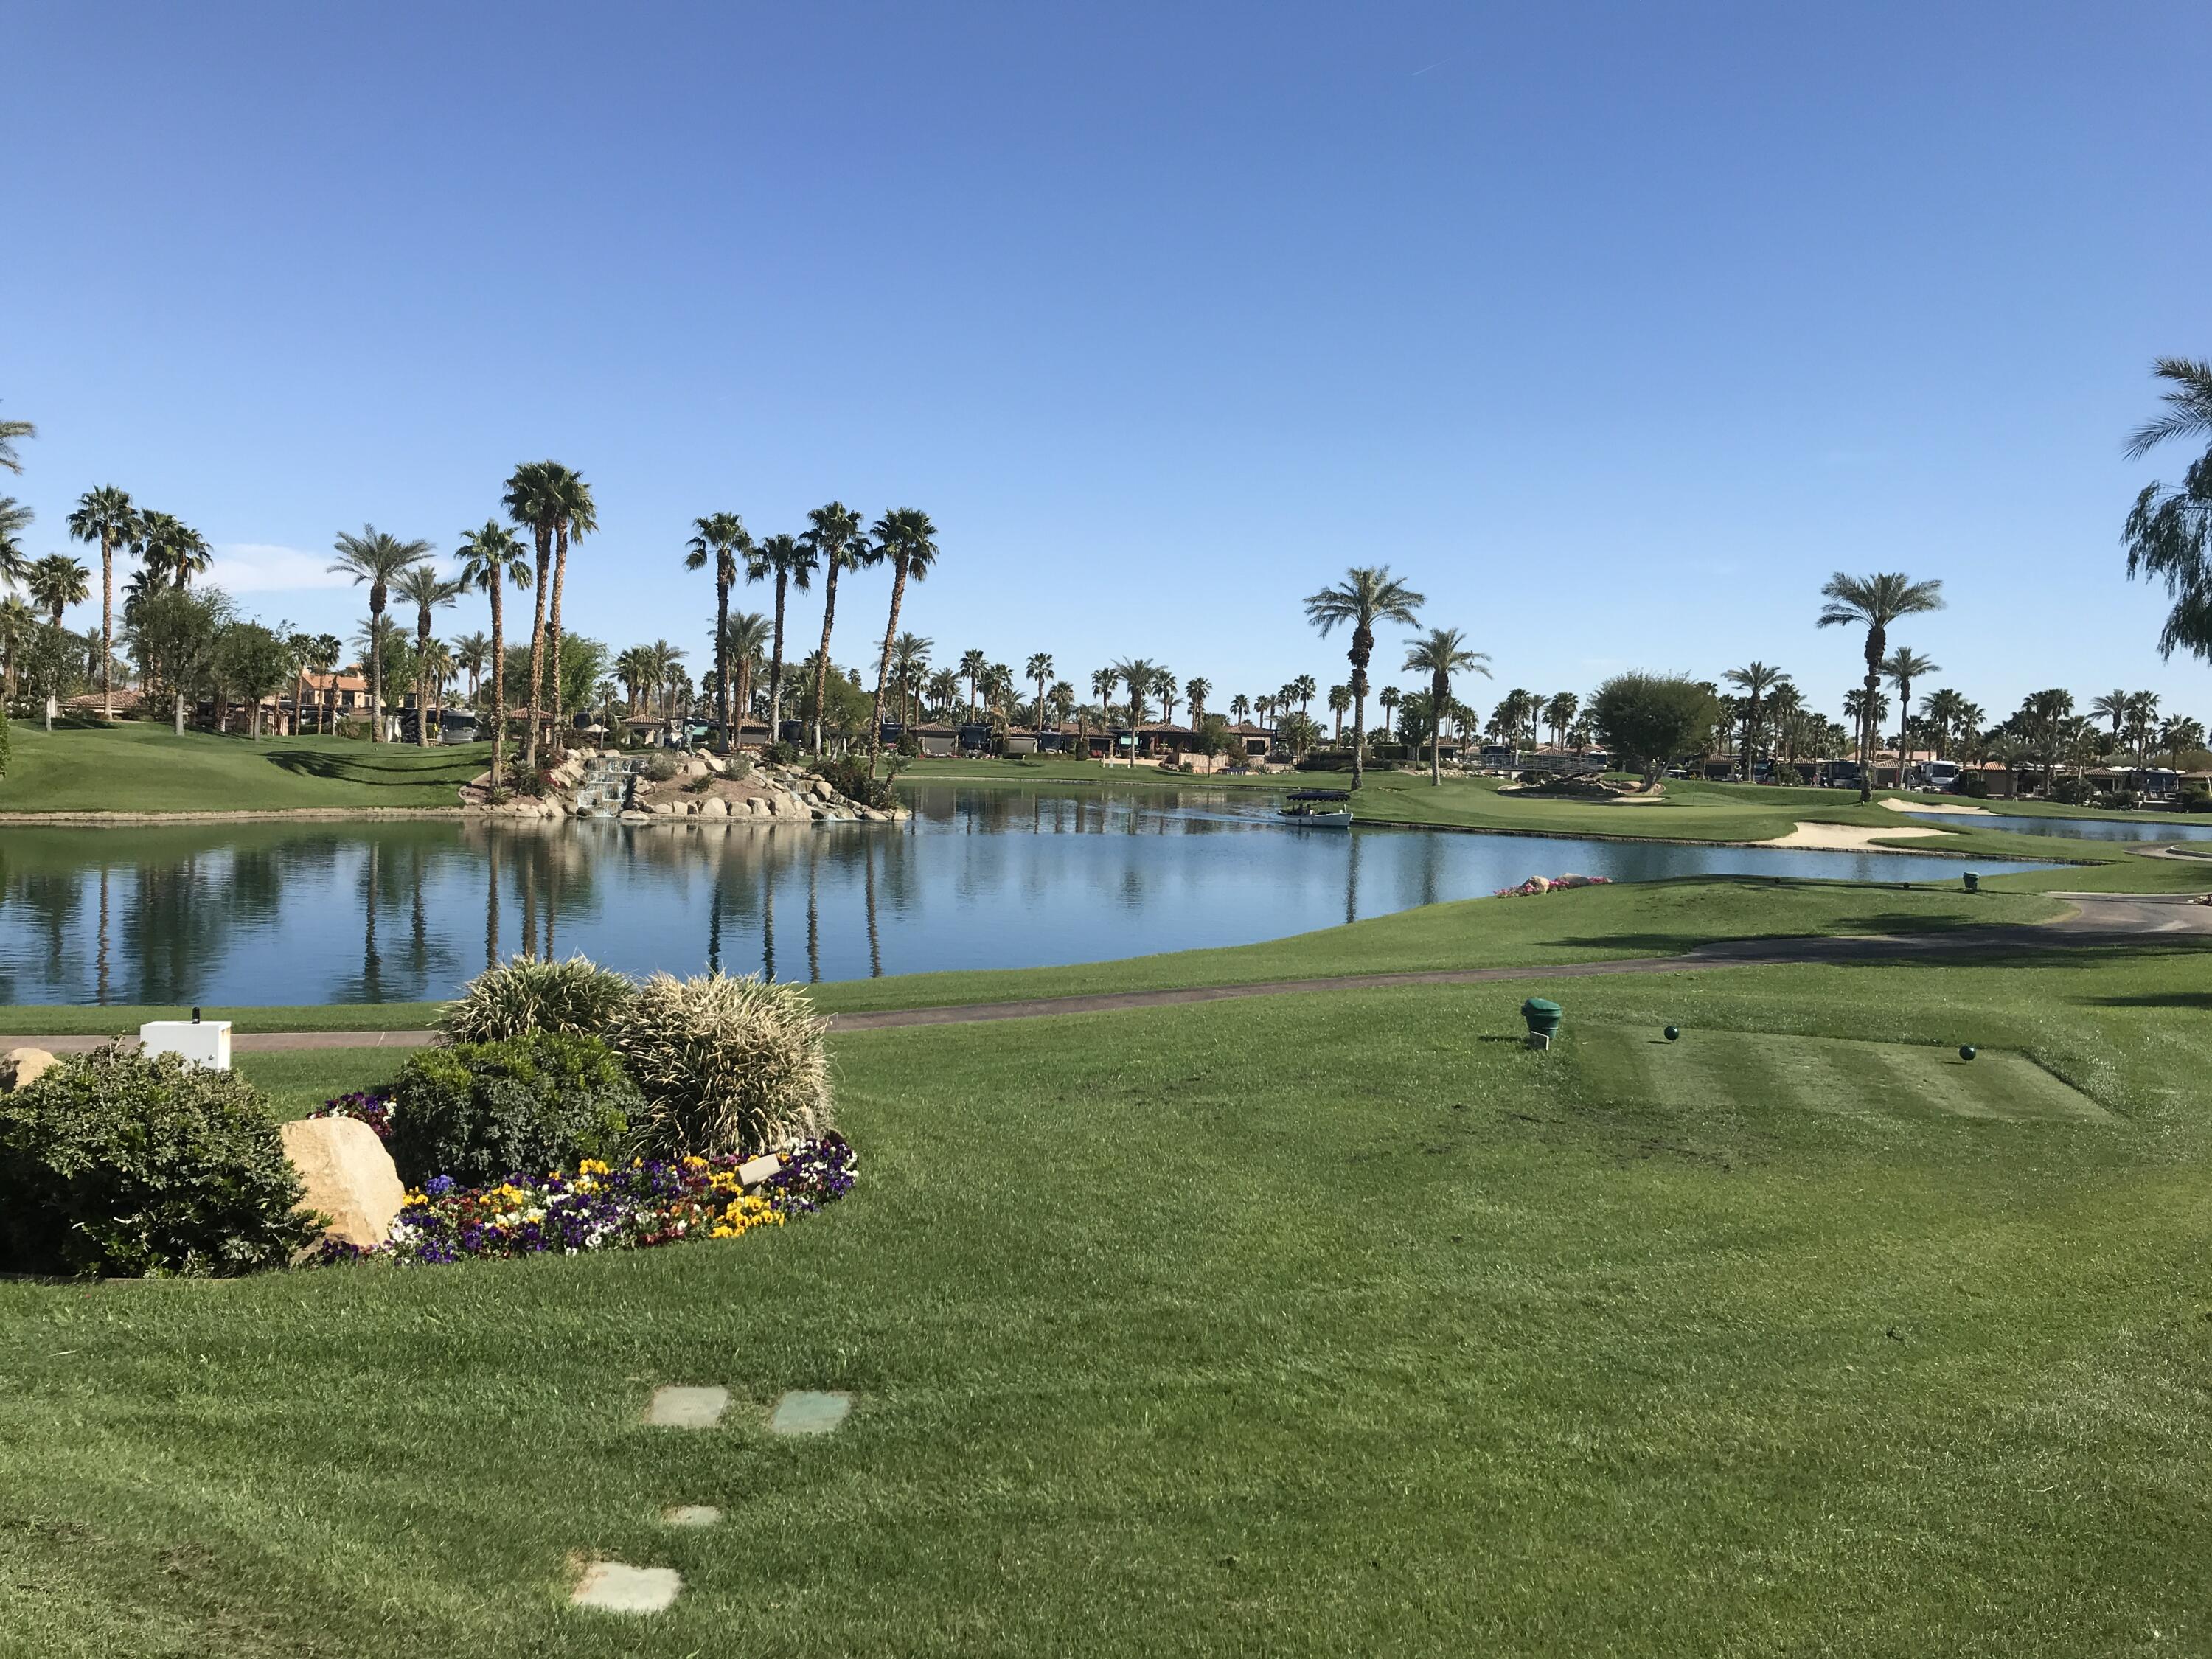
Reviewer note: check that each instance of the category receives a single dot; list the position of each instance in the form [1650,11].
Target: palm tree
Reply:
[747,646]
[832,537]
[908,540]
[909,669]
[19,625]
[1167,690]
[1137,673]
[2110,706]
[1755,680]
[491,558]
[379,561]
[15,519]
[1944,710]
[666,661]
[172,550]
[1440,653]
[720,537]
[1195,691]
[1339,703]
[1874,602]
[313,654]
[789,563]
[107,516]
[553,503]
[1240,707]
[2142,721]
[1061,700]
[1038,669]
[1103,682]
[1559,715]
[575,516]
[1901,667]
[944,690]
[1389,696]
[471,652]
[1304,688]
[56,582]
[423,587]
[974,665]
[10,431]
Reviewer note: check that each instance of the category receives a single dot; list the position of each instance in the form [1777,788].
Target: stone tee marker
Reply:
[687,1408]
[612,1587]
[805,1411]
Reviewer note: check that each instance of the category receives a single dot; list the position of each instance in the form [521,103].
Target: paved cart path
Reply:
[2098,919]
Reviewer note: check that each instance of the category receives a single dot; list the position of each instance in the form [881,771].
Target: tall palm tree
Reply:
[909,667]
[1304,688]
[172,550]
[536,496]
[56,582]
[1061,700]
[1943,709]
[1339,704]
[720,537]
[667,672]
[788,562]
[313,654]
[1195,691]
[974,665]
[107,516]
[1368,594]
[377,561]
[1875,603]
[1901,667]
[1559,714]
[1103,682]
[2143,721]
[2110,706]
[1038,669]
[471,652]
[1389,696]
[1167,689]
[1755,680]
[575,516]
[1240,707]
[834,536]
[908,540]
[423,587]
[491,560]
[747,646]
[1440,653]
[10,431]
[19,625]
[944,690]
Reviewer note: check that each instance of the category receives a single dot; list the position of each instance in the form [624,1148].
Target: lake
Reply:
[980,877]
[2078,829]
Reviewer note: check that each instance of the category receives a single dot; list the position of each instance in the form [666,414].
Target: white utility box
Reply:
[202,1042]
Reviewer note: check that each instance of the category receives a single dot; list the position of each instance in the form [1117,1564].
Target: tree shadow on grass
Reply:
[2198,1000]
[347,769]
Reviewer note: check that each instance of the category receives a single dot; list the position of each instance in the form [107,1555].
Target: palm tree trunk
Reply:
[498,687]
[822,661]
[107,626]
[375,671]
[1866,743]
[1363,647]
[1439,691]
[553,633]
[776,667]
[537,648]
[422,680]
[884,668]
[722,655]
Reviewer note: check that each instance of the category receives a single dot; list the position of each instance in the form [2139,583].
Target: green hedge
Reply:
[479,1112]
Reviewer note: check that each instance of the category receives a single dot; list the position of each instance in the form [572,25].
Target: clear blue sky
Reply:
[1614,329]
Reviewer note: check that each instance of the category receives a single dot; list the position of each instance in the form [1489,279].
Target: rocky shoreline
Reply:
[707,787]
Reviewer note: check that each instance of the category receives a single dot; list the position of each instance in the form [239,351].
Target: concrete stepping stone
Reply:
[691,1515]
[687,1408]
[805,1411]
[612,1587]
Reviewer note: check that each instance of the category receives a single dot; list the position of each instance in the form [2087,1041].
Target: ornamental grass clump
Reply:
[524,994]
[726,1066]
[115,1163]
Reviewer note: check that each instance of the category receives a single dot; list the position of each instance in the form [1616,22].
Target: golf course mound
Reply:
[1760,1071]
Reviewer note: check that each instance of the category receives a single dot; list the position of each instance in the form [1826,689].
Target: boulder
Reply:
[348,1175]
[21,1067]
[713,807]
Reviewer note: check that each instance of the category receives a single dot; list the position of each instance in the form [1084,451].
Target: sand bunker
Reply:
[1849,837]
[1948,808]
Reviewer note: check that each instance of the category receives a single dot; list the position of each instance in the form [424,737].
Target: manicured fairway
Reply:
[144,767]
[1316,1325]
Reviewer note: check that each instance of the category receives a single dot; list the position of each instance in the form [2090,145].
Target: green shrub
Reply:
[660,767]
[481,1111]
[781,754]
[524,994]
[849,776]
[1973,786]
[2196,800]
[114,1163]
[738,766]
[726,1066]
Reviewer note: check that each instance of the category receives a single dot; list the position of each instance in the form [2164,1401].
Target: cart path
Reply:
[2098,919]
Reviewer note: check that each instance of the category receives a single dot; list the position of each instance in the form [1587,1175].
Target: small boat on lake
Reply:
[1318,809]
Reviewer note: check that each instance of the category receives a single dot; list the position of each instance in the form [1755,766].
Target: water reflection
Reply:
[284,913]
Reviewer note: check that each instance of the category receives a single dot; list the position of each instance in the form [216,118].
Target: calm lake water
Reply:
[290,912]
[2079,828]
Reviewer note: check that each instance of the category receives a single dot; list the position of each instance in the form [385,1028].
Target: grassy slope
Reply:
[1630,919]
[1321,1325]
[141,767]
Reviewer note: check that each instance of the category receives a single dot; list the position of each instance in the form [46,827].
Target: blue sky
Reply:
[1614,329]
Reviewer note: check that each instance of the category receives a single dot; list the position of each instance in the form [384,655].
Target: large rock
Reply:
[21,1067]
[348,1175]
[713,807]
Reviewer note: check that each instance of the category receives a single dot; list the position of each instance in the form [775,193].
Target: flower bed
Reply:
[641,1204]
[1536,885]
[373,1107]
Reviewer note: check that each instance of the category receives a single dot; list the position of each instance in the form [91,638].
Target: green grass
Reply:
[143,767]
[1640,919]
[1327,1324]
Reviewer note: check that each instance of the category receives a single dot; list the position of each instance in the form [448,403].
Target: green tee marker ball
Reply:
[1673,1032]
[1966,1051]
